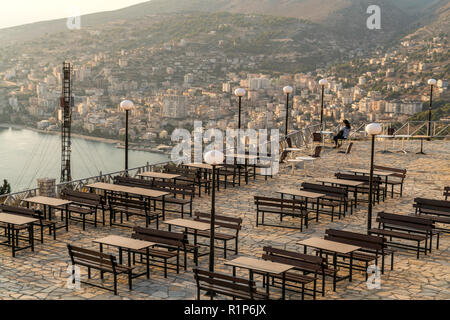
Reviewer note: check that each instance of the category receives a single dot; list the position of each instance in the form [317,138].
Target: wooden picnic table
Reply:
[11,221]
[148,193]
[128,244]
[198,165]
[205,167]
[345,183]
[259,265]
[188,224]
[246,158]
[334,247]
[306,195]
[159,175]
[51,203]
[379,173]
[126,189]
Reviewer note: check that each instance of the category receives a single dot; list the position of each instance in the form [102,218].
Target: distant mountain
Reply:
[344,16]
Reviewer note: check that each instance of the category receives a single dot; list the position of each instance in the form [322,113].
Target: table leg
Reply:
[351,266]
[283,289]
[13,240]
[335,268]
[306,208]
[147,252]
[67,217]
[120,255]
[317,210]
[31,235]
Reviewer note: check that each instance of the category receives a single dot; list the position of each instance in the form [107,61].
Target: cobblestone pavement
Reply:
[43,274]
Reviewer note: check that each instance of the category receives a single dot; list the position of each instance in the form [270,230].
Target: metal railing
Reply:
[300,138]
[16,198]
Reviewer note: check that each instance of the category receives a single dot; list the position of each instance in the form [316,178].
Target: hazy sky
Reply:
[17,12]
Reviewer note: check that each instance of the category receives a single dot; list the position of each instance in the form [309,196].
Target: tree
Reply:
[5,188]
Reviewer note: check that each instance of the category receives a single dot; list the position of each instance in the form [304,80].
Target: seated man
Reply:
[343,133]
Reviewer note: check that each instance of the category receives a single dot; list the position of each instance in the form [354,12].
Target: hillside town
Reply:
[184,83]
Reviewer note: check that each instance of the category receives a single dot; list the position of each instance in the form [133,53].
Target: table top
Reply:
[123,242]
[185,223]
[351,183]
[375,172]
[245,156]
[323,244]
[402,136]
[295,160]
[15,219]
[259,265]
[326,132]
[305,158]
[125,189]
[158,175]
[301,193]
[201,165]
[293,149]
[385,136]
[421,137]
[53,202]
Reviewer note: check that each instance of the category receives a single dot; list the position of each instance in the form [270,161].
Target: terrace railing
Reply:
[16,198]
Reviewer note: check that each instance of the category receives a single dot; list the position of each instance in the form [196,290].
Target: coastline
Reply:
[77,135]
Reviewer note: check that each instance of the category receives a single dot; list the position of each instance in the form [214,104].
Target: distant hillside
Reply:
[441,109]
[344,15]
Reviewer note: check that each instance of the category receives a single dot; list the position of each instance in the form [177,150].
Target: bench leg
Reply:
[392,261]
[130,280]
[165,268]
[115,284]
[418,249]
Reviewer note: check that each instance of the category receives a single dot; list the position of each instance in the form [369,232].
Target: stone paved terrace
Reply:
[42,274]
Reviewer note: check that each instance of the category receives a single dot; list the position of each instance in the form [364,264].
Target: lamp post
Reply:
[239,92]
[323,83]
[372,130]
[213,157]
[432,83]
[126,105]
[287,91]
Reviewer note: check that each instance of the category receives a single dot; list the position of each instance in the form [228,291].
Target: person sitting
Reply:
[343,133]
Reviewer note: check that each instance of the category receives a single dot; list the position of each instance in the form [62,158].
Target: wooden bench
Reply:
[172,242]
[408,228]
[378,190]
[224,222]
[43,223]
[336,197]
[436,210]
[372,247]
[297,278]
[226,285]
[282,207]
[189,176]
[185,190]
[130,207]
[105,263]
[84,204]
[308,264]
[395,179]
[446,192]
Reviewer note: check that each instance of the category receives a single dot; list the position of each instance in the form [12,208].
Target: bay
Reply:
[26,155]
